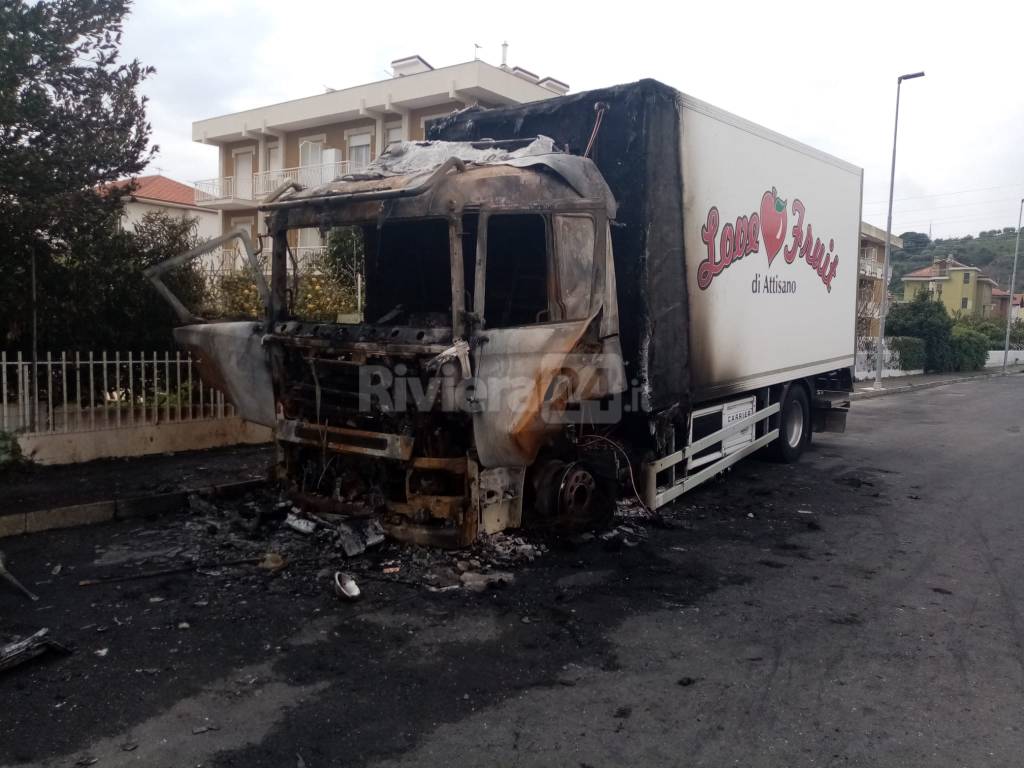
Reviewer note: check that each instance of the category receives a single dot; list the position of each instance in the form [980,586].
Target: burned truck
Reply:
[622,291]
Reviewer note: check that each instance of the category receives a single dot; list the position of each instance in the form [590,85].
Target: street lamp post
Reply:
[1013,279]
[882,307]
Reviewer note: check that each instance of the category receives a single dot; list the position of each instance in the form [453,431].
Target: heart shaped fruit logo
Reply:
[773,223]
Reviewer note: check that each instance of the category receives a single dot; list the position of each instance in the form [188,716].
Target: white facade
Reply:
[207,226]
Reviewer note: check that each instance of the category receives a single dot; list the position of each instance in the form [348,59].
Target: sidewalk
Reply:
[863,390]
[57,496]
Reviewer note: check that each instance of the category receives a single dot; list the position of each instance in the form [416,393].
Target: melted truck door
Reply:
[550,327]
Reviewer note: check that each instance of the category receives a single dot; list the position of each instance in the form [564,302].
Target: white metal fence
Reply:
[81,392]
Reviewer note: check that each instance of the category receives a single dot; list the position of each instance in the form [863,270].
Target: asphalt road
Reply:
[861,608]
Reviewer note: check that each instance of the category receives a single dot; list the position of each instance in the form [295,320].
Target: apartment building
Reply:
[871,277]
[316,139]
[962,289]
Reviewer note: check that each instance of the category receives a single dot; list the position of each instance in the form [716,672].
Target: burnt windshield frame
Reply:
[594,208]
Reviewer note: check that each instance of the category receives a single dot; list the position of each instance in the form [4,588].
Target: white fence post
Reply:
[3,389]
[64,386]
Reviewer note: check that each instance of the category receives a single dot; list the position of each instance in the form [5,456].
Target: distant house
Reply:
[159,193]
[962,289]
[871,278]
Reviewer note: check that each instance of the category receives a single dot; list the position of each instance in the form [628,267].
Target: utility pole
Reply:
[880,352]
[1013,279]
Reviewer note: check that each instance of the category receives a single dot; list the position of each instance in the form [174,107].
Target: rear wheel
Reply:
[794,425]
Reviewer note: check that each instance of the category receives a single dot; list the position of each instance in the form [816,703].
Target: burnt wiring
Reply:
[600,108]
[632,481]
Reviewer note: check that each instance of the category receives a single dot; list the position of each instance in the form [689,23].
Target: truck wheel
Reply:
[794,426]
[571,497]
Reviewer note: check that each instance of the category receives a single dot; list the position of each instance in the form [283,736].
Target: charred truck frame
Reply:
[495,381]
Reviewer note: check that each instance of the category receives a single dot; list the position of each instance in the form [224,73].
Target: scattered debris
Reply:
[687,681]
[301,524]
[102,652]
[481,582]
[184,625]
[345,586]
[273,562]
[200,506]
[804,512]
[20,651]
[349,541]
[204,729]
[13,581]
[129,746]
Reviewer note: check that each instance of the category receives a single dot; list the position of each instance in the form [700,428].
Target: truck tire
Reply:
[794,425]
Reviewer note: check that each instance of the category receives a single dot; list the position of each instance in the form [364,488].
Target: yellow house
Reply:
[962,289]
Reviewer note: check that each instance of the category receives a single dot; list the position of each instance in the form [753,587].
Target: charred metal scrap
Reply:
[490,316]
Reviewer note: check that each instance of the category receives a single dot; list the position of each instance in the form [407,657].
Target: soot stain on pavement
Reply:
[395,665]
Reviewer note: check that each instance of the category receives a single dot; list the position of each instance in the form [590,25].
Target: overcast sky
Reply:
[806,69]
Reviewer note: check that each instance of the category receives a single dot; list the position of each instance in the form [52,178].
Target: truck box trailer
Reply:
[620,289]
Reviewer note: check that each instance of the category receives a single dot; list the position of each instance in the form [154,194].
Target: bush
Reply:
[970,349]
[928,320]
[234,296]
[911,351]
[994,332]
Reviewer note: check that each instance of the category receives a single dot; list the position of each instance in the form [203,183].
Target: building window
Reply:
[311,152]
[963,303]
[392,134]
[967,278]
[358,151]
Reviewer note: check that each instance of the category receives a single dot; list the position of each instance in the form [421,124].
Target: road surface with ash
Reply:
[862,607]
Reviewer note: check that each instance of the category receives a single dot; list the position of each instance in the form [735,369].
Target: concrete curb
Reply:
[867,394]
[115,509]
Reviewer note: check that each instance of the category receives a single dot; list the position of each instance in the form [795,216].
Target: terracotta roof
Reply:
[933,271]
[162,189]
[929,271]
[999,292]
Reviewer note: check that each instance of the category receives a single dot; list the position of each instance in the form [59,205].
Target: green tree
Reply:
[71,121]
[925,319]
[102,300]
[915,242]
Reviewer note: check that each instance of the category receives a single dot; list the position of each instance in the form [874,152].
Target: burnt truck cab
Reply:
[490,322]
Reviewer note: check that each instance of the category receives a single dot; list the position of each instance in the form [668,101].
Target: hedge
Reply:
[910,349]
[970,349]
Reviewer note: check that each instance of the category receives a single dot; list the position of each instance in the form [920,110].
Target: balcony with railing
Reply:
[227,193]
[233,193]
[871,268]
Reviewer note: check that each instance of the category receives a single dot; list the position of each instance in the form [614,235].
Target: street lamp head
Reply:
[911,76]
